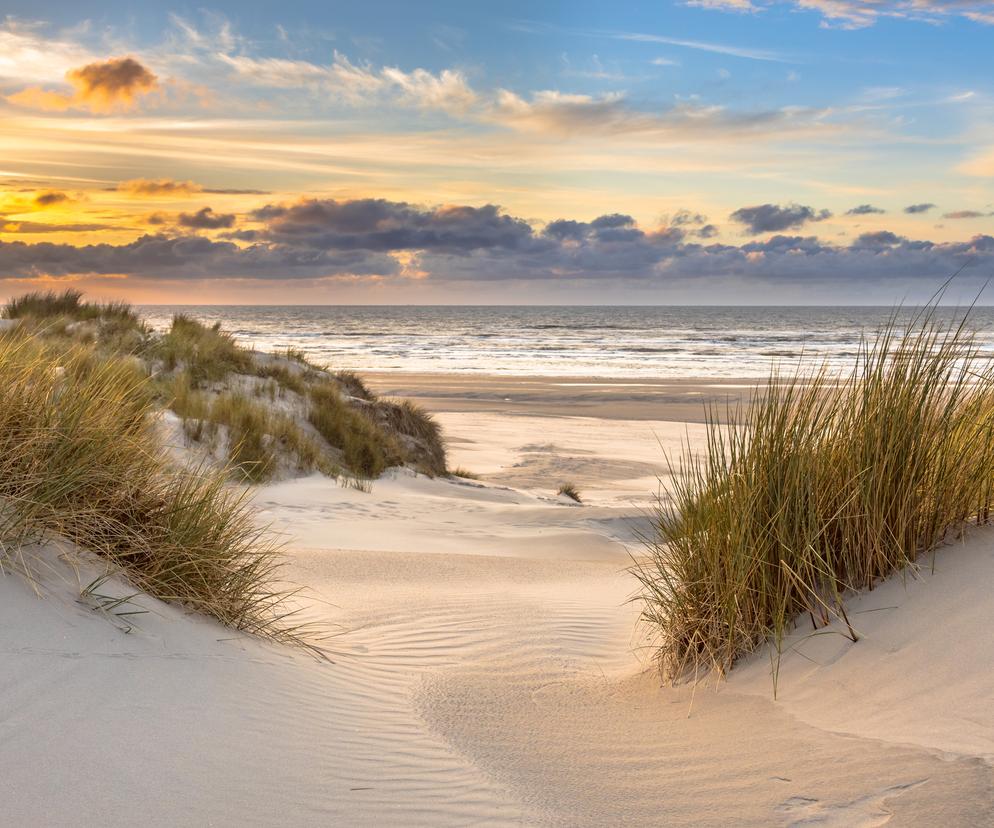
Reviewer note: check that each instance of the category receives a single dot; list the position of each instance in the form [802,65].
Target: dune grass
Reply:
[366,449]
[206,353]
[112,327]
[208,379]
[80,459]
[824,485]
[68,303]
[257,436]
[571,491]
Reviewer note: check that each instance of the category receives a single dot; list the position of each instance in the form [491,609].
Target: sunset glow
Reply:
[325,153]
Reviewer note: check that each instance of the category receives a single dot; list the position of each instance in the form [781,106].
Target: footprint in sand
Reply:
[865,812]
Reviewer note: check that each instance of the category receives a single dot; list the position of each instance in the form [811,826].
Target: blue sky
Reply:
[718,150]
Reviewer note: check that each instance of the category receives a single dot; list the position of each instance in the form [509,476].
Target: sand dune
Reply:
[488,671]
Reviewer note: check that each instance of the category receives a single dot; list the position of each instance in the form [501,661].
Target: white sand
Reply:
[485,674]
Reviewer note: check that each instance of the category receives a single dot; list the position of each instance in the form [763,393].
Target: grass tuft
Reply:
[69,304]
[206,353]
[824,485]
[80,459]
[570,491]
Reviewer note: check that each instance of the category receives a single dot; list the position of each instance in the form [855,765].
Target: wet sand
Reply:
[675,400]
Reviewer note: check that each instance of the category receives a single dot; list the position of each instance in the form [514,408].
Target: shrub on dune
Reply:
[822,486]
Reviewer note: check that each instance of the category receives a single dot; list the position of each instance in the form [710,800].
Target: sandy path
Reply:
[487,672]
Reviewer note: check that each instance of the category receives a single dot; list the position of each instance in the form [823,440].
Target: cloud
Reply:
[381,225]
[858,14]
[169,187]
[101,87]
[39,227]
[205,219]
[565,115]
[111,84]
[357,84]
[914,209]
[49,198]
[965,214]
[378,239]
[183,258]
[704,46]
[865,210]
[877,240]
[447,91]
[741,6]
[771,218]
[684,217]
[154,187]
[29,57]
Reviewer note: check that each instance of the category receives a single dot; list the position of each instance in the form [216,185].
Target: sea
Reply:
[607,341]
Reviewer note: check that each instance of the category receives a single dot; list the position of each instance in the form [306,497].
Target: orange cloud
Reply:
[158,187]
[101,87]
[34,97]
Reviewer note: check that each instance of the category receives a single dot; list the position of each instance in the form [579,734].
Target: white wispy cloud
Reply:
[858,14]
[705,46]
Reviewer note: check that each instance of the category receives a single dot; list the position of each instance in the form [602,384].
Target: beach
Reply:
[485,664]
[442,415]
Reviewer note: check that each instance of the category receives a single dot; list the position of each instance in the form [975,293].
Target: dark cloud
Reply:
[772,218]
[919,208]
[361,238]
[154,187]
[965,214]
[381,225]
[205,219]
[186,257]
[685,217]
[49,198]
[40,227]
[877,240]
[864,210]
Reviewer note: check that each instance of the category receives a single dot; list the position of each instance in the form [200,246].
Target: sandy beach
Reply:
[486,667]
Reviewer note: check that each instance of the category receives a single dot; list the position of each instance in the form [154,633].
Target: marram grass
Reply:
[823,485]
[80,459]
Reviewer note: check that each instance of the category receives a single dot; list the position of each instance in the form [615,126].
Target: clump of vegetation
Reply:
[354,385]
[420,436]
[569,490]
[80,459]
[205,352]
[268,413]
[822,486]
[112,327]
[69,304]
[365,449]
[466,474]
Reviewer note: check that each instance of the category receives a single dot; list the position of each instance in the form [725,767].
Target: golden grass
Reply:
[80,459]
[69,303]
[206,353]
[571,491]
[822,486]
[366,449]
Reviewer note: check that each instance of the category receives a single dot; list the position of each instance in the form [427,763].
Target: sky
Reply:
[698,152]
